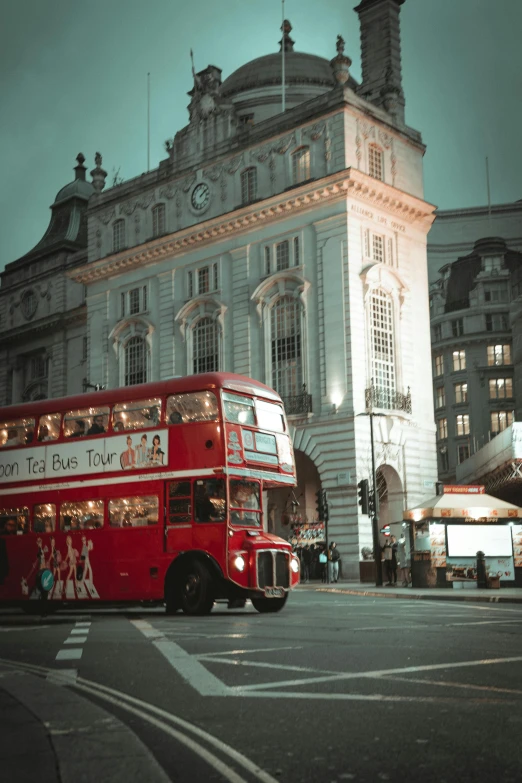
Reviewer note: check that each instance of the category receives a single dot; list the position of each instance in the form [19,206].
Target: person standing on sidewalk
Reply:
[404,563]
[388,557]
[333,561]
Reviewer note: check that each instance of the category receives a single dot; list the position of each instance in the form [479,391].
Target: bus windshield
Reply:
[245,504]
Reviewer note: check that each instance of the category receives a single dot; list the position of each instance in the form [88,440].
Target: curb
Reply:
[508,599]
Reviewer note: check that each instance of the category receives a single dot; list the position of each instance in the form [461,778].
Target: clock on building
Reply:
[200,198]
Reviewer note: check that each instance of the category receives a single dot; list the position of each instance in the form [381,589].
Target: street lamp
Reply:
[375,504]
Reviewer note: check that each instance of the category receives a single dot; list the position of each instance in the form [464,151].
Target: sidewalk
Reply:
[50,734]
[511,595]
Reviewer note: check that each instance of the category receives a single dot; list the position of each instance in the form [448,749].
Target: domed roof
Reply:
[78,188]
[300,68]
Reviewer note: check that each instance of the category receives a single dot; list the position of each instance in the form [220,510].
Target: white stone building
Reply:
[289,246]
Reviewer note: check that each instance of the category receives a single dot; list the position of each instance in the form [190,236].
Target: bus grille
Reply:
[273,569]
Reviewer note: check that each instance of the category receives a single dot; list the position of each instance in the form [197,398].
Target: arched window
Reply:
[375,162]
[382,347]
[301,165]
[118,236]
[249,185]
[135,361]
[286,346]
[158,220]
[205,346]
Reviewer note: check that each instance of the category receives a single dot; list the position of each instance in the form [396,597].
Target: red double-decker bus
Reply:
[149,493]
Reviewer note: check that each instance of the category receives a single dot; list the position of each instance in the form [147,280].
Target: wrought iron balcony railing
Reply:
[387,399]
[298,404]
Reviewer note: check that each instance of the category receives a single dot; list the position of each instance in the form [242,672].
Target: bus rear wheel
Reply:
[196,590]
[264,605]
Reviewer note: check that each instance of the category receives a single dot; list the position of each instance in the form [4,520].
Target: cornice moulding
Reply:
[349,183]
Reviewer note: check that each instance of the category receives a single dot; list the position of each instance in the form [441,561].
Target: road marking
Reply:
[247,652]
[186,665]
[260,665]
[419,681]
[25,628]
[76,640]
[378,673]
[70,655]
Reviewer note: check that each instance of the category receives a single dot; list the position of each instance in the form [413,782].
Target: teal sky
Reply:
[74,78]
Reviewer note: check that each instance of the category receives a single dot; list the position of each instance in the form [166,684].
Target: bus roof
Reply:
[188,383]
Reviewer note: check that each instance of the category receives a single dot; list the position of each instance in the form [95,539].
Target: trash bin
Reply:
[481,570]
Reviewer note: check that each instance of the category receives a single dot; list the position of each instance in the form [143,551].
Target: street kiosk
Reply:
[448,530]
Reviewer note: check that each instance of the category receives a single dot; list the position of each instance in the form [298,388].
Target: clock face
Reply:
[200,196]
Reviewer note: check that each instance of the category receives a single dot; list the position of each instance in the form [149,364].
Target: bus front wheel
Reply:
[265,605]
[196,590]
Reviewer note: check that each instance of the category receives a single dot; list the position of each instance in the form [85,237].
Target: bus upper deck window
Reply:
[17,432]
[49,427]
[191,407]
[86,421]
[238,410]
[270,416]
[137,414]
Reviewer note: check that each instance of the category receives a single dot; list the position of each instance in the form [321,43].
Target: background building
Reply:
[42,311]
[289,246]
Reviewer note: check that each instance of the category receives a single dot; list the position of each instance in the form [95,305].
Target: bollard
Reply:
[481,570]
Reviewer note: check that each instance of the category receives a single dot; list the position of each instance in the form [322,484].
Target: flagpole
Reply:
[283,54]
[148,122]
[489,194]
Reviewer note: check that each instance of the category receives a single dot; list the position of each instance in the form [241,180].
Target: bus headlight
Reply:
[294,565]
[239,563]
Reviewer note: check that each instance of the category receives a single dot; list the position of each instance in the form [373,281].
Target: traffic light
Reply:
[326,510]
[363,494]
[319,504]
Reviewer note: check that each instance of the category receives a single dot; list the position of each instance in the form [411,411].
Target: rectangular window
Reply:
[158,220]
[249,185]
[500,420]
[38,367]
[44,519]
[122,305]
[375,167]
[462,424]
[461,392]
[215,277]
[492,264]
[462,452]
[203,280]
[439,365]
[440,397]
[500,388]
[459,360]
[134,511]
[301,165]
[498,355]
[190,285]
[137,415]
[81,515]
[282,256]
[457,327]
[134,301]
[444,460]
[497,322]
[378,248]
[437,333]
[496,293]
[84,349]
[442,429]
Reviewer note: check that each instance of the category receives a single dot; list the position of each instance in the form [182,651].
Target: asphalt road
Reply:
[333,688]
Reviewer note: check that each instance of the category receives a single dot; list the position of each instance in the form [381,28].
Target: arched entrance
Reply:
[391,499]
[292,511]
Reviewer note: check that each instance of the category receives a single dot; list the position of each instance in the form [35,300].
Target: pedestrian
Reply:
[323,563]
[404,562]
[387,552]
[333,559]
